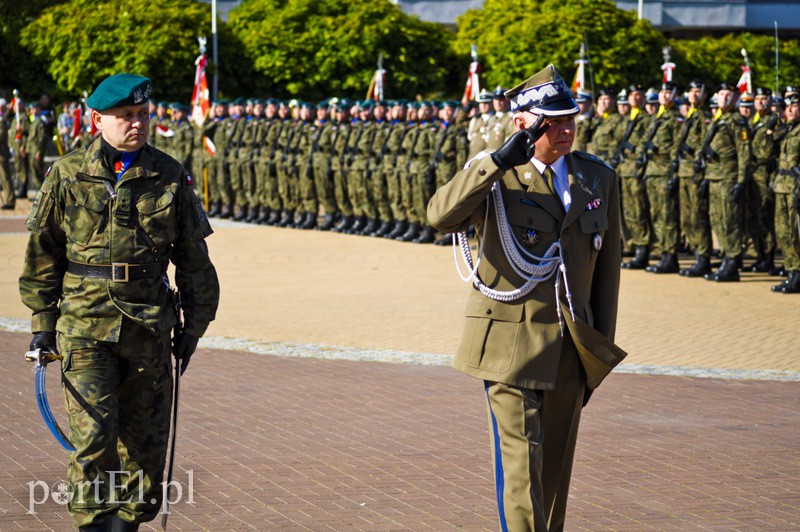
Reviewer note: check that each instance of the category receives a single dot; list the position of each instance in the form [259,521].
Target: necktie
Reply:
[549,177]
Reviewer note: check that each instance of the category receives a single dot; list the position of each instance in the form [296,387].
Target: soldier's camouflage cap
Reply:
[544,93]
[120,90]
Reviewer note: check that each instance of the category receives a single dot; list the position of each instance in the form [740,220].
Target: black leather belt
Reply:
[119,272]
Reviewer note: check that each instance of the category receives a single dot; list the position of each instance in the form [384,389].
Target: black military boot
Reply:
[309,222]
[398,229]
[701,266]
[411,233]
[667,264]
[765,264]
[327,222]
[446,240]
[287,219]
[344,224]
[426,236]
[120,525]
[226,212]
[369,227]
[727,272]
[358,224]
[214,209]
[639,260]
[791,285]
[252,215]
[274,218]
[239,214]
[263,215]
[382,229]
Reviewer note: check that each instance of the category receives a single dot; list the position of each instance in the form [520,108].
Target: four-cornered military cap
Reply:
[778,101]
[606,91]
[622,97]
[763,91]
[636,87]
[746,100]
[544,93]
[583,97]
[651,96]
[668,86]
[499,93]
[120,90]
[791,98]
[726,86]
[484,97]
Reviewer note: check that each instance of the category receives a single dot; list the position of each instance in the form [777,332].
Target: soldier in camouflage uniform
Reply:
[391,163]
[787,198]
[450,155]
[359,157]
[377,189]
[342,131]
[287,171]
[234,155]
[223,140]
[307,198]
[19,132]
[727,155]
[693,199]
[423,172]
[636,210]
[266,176]
[661,166]
[501,123]
[603,141]
[760,205]
[103,227]
[248,155]
[36,146]
[404,171]
[180,144]
[7,199]
[584,122]
[477,131]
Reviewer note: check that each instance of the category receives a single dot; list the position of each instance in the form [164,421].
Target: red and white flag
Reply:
[579,81]
[200,100]
[745,83]
[210,147]
[375,91]
[77,125]
[473,85]
[164,131]
[667,68]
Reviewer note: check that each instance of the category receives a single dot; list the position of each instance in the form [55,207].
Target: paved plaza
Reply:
[321,400]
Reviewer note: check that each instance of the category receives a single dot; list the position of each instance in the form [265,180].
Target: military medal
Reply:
[530,239]
[597,241]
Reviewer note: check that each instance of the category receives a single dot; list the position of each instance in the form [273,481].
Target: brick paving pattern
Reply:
[306,443]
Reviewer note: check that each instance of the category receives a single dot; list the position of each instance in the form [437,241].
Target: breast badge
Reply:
[530,239]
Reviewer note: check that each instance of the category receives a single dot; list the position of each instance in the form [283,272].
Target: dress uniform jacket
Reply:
[519,342]
[152,216]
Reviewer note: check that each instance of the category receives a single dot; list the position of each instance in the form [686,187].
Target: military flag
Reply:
[375,91]
[200,101]
[668,67]
[745,83]
[473,86]
[579,81]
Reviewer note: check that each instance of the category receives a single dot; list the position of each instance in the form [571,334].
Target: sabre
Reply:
[42,358]
[174,297]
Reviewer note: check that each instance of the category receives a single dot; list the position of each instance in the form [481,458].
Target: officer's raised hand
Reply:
[183,347]
[44,340]
[520,147]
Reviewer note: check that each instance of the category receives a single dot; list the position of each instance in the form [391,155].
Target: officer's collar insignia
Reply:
[594,204]
[530,238]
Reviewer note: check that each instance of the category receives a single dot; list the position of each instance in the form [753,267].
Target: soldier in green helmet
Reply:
[105,224]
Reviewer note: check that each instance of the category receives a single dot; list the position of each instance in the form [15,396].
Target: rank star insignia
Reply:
[527,176]
[530,239]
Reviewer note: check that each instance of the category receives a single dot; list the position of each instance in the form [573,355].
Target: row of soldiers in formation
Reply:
[24,136]
[370,167]
[686,173]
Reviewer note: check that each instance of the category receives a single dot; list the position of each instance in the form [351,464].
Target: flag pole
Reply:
[589,59]
[777,72]
[214,38]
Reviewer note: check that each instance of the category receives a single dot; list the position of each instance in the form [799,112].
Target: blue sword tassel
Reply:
[47,413]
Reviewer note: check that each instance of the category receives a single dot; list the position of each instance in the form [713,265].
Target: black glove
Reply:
[641,161]
[796,204]
[737,192]
[614,162]
[183,347]
[674,165]
[697,166]
[519,148]
[44,340]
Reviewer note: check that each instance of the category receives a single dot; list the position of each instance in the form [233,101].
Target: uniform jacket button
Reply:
[482,171]
[488,311]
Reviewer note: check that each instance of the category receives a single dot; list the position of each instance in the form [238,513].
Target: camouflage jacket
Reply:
[694,127]
[663,147]
[604,139]
[731,149]
[84,215]
[785,181]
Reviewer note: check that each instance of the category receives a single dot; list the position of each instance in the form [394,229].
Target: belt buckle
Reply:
[117,267]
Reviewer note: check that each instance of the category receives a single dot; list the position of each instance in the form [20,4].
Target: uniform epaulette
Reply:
[592,158]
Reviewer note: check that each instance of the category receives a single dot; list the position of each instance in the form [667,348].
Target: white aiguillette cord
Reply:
[533,268]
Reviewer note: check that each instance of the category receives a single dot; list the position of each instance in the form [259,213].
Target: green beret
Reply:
[239,101]
[223,101]
[323,105]
[366,105]
[163,104]
[120,90]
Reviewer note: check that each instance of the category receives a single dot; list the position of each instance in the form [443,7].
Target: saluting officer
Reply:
[104,226]
[544,297]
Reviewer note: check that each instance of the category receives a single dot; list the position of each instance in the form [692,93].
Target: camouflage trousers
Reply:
[288,187]
[695,223]
[760,212]
[380,195]
[407,197]
[636,212]
[664,213]
[21,170]
[7,196]
[787,231]
[340,191]
[393,193]
[422,190]
[727,217]
[323,184]
[308,194]
[118,398]
[237,182]
[220,182]
[249,180]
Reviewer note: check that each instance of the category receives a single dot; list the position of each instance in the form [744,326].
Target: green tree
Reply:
[517,39]
[321,48]
[716,59]
[82,43]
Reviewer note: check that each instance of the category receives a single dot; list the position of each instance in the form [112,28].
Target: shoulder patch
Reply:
[592,158]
